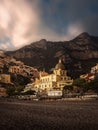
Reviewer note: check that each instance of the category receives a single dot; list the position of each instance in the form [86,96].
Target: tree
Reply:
[81,84]
[19,89]
[94,85]
[29,92]
[68,88]
[20,80]
[10,90]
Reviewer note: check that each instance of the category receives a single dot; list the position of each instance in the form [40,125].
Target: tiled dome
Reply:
[60,65]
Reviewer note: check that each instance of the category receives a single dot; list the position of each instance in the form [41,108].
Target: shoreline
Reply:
[49,100]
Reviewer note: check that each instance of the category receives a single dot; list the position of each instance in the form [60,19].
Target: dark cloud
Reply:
[90,24]
[59,14]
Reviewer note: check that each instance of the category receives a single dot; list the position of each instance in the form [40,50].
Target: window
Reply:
[61,78]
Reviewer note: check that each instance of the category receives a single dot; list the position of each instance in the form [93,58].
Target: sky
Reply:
[25,21]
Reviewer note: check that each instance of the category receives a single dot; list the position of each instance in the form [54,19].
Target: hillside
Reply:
[78,55]
[13,72]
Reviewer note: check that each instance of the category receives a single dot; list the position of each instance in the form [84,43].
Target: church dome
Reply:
[60,65]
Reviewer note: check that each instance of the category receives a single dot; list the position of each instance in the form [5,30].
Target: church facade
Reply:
[55,81]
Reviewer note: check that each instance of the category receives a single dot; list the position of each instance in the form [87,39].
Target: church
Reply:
[55,81]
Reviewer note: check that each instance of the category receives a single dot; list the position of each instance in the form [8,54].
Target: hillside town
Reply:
[11,69]
[39,82]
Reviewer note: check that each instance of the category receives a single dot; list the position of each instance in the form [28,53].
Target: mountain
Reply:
[78,55]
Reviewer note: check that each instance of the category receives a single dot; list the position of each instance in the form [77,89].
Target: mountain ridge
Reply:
[82,51]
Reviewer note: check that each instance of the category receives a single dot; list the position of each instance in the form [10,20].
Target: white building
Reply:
[54,93]
[94,69]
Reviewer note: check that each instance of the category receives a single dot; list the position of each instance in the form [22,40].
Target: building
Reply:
[54,93]
[3,92]
[94,69]
[5,78]
[55,81]
[29,87]
[15,69]
[92,75]
[88,77]
[23,70]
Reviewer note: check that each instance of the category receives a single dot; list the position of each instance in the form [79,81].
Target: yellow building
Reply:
[5,78]
[55,81]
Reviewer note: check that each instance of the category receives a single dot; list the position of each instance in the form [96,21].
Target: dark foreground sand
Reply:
[43,115]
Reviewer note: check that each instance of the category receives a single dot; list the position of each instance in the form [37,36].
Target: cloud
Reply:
[74,30]
[90,24]
[21,22]
[17,17]
[60,14]
[25,21]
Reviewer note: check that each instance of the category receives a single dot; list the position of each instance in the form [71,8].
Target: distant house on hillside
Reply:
[15,69]
[2,92]
[5,78]
[88,77]
[92,75]
[94,69]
